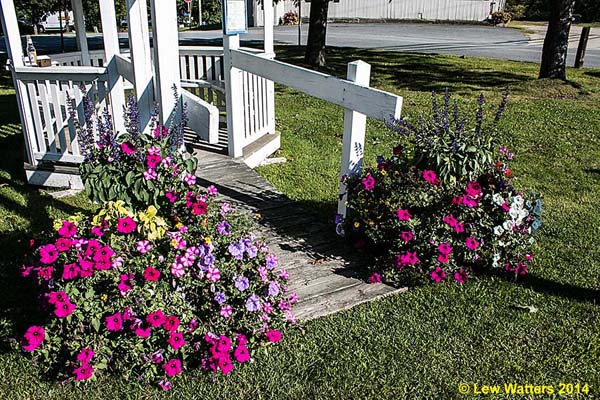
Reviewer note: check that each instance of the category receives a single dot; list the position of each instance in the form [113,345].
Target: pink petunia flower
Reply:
[84,372]
[126,225]
[63,244]
[212,190]
[241,354]
[152,160]
[225,365]
[226,311]
[67,230]
[85,355]
[142,332]
[172,367]
[176,340]
[171,323]
[472,243]
[438,275]
[443,258]
[48,254]
[403,215]
[151,274]
[171,196]
[143,246]
[274,336]
[150,174]
[431,177]
[128,148]
[375,278]
[450,220]
[445,248]
[189,179]
[461,276]
[406,236]
[114,322]
[34,336]
[97,231]
[64,309]
[155,319]
[165,384]
[213,274]
[368,182]
[70,271]
[459,228]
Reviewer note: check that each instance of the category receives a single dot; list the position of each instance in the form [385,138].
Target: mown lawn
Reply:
[421,344]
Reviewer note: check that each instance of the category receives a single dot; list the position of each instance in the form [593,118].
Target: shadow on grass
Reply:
[24,211]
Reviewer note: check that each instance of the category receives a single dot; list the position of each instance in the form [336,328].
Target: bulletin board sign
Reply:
[235,18]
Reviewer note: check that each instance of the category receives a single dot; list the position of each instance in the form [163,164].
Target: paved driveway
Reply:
[470,40]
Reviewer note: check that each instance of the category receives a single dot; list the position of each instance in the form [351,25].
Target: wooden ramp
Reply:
[321,266]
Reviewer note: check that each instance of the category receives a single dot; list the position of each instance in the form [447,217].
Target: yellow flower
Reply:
[207,240]
[104,297]
[357,224]
[174,243]
[178,225]
[383,172]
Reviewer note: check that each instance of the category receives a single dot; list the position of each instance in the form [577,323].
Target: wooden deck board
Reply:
[322,268]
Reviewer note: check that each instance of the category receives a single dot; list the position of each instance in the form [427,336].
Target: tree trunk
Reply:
[317,31]
[556,43]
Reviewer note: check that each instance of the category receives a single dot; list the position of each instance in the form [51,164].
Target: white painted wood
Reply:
[37,119]
[233,97]
[111,48]
[371,102]
[81,36]
[141,59]
[355,125]
[61,73]
[268,30]
[203,117]
[48,118]
[166,52]
[125,68]
[58,115]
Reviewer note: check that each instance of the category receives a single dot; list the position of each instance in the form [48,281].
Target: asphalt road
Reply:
[468,40]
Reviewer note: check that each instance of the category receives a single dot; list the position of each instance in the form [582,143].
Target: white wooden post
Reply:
[82,44]
[165,38]
[268,29]
[111,48]
[14,50]
[355,125]
[270,51]
[141,59]
[233,98]
[200,13]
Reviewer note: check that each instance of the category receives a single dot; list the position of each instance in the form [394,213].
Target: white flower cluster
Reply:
[517,213]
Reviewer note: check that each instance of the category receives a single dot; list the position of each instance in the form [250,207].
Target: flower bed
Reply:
[444,204]
[162,279]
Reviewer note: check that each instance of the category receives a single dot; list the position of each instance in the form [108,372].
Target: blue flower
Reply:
[220,297]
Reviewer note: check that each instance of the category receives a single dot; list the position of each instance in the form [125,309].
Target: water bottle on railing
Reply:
[31,52]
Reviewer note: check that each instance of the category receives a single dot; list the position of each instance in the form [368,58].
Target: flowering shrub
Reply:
[290,18]
[425,212]
[149,292]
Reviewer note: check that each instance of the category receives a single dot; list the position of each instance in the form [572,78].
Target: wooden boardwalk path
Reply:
[321,266]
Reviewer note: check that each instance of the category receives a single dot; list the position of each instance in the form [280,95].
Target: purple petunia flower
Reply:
[273,289]
[271,260]
[242,283]
[237,250]
[220,297]
[252,251]
[253,303]
[224,228]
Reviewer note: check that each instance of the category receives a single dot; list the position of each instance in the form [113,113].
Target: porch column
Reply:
[111,48]
[139,42]
[165,38]
[268,14]
[82,45]
[268,29]
[233,98]
[14,50]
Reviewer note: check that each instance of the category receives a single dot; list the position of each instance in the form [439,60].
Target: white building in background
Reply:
[378,10]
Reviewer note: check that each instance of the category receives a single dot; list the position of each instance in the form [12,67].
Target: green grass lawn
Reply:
[425,342]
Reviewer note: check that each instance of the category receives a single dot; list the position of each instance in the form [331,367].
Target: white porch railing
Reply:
[53,136]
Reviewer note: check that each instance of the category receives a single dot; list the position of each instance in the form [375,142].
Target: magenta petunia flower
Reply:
[223,344]
[241,354]
[430,177]
[212,190]
[165,384]
[84,372]
[67,230]
[403,215]
[450,220]
[375,278]
[64,309]
[171,323]
[151,274]
[406,236]
[126,225]
[155,319]
[70,271]
[97,231]
[143,332]
[274,336]
[128,148]
[152,160]
[57,297]
[85,355]
[114,322]
[213,274]
[445,248]
[189,179]
[473,189]
[172,196]
[63,244]
[443,258]
[459,228]
[45,273]
[225,365]
[472,243]
[461,276]
[172,367]
[150,174]
[368,182]
[48,254]
[438,275]
[199,208]
[176,340]
[33,338]
[160,131]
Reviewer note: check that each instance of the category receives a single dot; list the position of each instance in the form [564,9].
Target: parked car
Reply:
[52,22]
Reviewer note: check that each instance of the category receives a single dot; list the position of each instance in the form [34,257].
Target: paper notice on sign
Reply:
[235,17]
